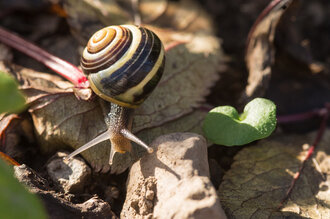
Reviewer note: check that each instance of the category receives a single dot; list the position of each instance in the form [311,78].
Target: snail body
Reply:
[123,65]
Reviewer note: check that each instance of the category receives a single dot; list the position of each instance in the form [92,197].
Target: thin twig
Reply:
[136,12]
[64,68]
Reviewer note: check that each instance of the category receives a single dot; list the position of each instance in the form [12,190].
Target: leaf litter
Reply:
[175,123]
[62,120]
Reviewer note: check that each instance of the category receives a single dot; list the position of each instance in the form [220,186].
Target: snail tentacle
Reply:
[124,64]
[129,135]
[102,137]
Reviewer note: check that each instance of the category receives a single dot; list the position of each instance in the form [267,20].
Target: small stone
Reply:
[172,182]
[94,205]
[96,208]
[72,175]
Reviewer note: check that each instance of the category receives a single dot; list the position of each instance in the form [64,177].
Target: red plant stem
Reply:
[8,159]
[309,154]
[303,116]
[298,116]
[64,68]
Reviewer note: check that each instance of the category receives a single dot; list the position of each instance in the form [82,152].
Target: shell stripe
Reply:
[155,76]
[95,47]
[150,85]
[108,60]
[142,69]
[130,74]
[128,68]
[119,35]
[109,49]
[105,73]
[105,60]
[136,95]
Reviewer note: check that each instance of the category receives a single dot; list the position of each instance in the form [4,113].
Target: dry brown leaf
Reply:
[6,124]
[193,62]
[262,173]
[61,119]
[188,123]
[86,17]
[260,52]
[185,15]
[151,10]
[190,70]
[16,135]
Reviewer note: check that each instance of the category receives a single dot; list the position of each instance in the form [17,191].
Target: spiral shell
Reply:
[124,64]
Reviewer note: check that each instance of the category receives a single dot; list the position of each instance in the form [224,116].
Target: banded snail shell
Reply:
[123,63]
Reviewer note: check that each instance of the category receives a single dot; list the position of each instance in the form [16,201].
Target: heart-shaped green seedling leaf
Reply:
[224,126]
[11,99]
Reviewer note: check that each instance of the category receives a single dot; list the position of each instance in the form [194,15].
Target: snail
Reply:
[123,64]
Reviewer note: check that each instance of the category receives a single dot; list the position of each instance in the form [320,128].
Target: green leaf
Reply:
[223,125]
[11,99]
[15,200]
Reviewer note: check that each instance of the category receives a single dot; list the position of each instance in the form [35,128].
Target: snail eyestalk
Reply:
[120,125]
[129,135]
[124,65]
[102,137]
[119,133]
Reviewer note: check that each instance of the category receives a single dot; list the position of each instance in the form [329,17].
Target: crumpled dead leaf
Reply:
[189,123]
[151,10]
[57,113]
[15,131]
[86,16]
[185,15]
[190,70]
[262,173]
[260,51]
[62,120]
[64,116]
